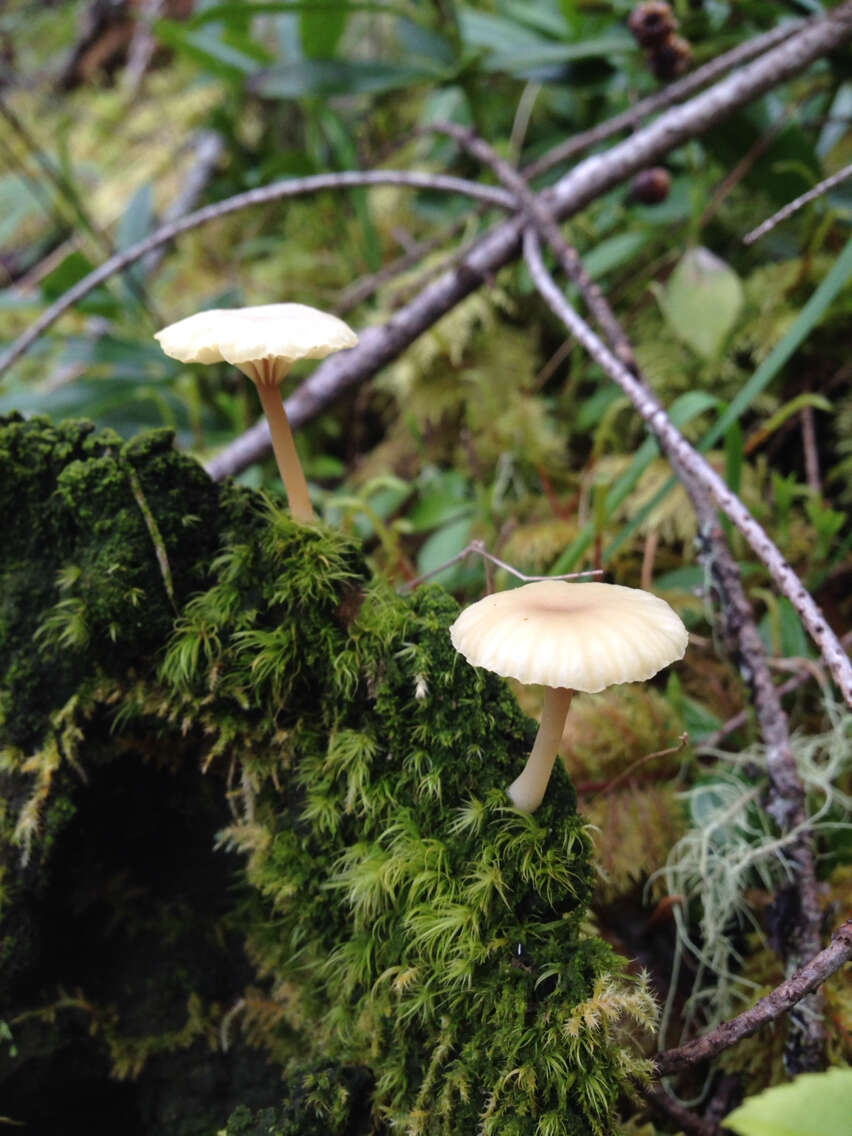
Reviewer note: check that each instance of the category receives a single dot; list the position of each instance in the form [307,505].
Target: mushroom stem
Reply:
[284,449]
[527,791]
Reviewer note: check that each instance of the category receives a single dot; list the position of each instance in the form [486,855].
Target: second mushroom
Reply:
[264,343]
[566,637]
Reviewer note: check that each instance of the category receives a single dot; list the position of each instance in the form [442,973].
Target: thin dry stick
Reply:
[477,547]
[548,228]
[800,930]
[608,786]
[661,100]
[363,288]
[793,206]
[293,187]
[699,468]
[782,999]
[496,248]
[737,721]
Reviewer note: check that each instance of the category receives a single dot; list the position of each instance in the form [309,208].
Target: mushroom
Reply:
[566,637]
[263,342]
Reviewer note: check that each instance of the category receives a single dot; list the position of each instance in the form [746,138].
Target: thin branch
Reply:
[782,999]
[661,100]
[800,928]
[477,547]
[695,464]
[607,786]
[547,226]
[737,721]
[501,244]
[293,187]
[366,286]
[793,206]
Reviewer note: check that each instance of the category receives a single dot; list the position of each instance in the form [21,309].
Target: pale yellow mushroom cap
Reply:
[263,342]
[579,636]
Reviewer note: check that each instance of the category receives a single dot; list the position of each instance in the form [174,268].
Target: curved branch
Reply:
[677,447]
[782,999]
[592,177]
[661,100]
[293,187]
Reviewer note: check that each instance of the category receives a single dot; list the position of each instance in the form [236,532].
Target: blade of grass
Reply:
[805,322]
[683,410]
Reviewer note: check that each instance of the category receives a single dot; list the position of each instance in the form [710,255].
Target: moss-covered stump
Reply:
[255,814]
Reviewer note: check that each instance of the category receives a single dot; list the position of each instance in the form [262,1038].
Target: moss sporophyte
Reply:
[263,342]
[371,883]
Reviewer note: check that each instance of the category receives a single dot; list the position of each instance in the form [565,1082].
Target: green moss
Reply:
[403,917]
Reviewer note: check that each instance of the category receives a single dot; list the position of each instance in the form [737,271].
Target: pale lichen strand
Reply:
[405,916]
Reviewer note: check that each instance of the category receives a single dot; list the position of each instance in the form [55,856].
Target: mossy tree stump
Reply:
[263,800]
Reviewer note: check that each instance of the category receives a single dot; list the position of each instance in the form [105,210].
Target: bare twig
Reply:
[737,721]
[293,187]
[363,288]
[547,226]
[793,206]
[699,468]
[661,100]
[782,999]
[608,786]
[592,177]
[801,924]
[142,45]
[477,548]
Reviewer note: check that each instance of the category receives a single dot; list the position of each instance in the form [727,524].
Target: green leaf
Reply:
[446,497]
[326,77]
[237,10]
[17,203]
[441,546]
[206,47]
[553,54]
[814,1104]
[614,251]
[321,27]
[346,155]
[542,17]
[702,301]
[593,409]
[734,457]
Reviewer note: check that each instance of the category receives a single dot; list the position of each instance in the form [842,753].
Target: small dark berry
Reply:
[671,58]
[650,187]
[652,23]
